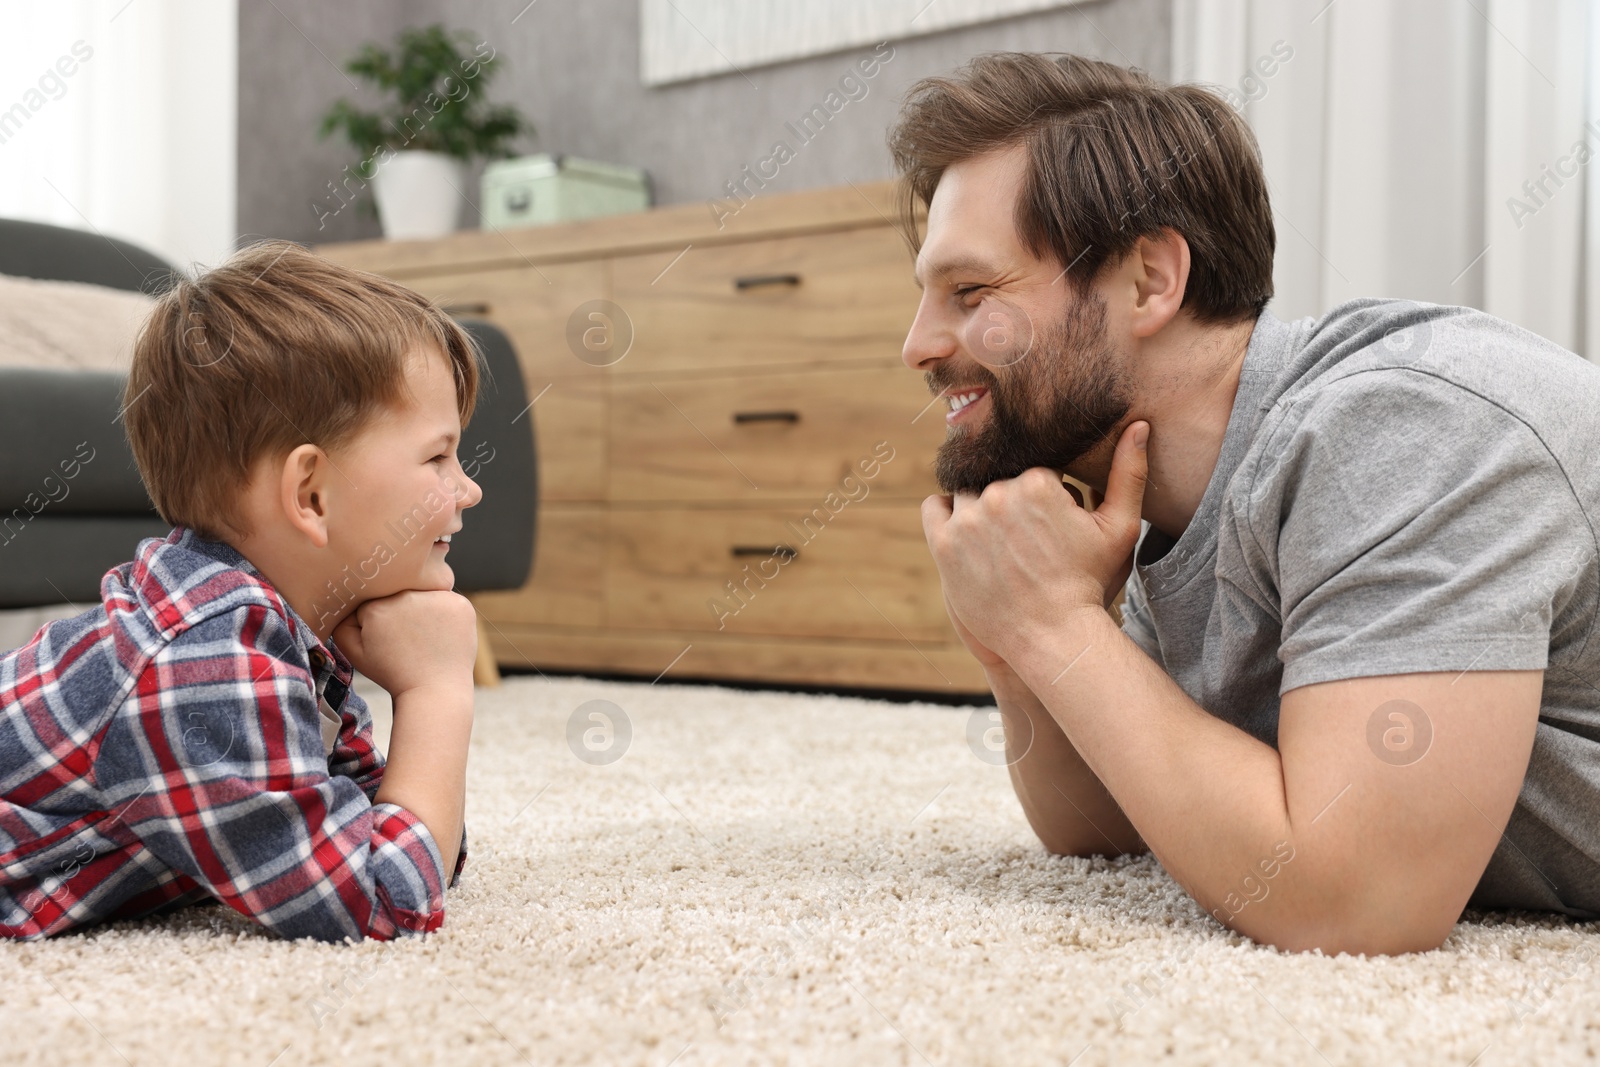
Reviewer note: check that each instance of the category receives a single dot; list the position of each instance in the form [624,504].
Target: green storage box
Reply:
[541,189]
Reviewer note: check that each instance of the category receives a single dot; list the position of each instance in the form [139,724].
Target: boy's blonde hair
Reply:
[275,348]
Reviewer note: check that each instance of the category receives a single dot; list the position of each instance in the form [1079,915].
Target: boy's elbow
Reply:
[333,926]
[323,926]
[332,932]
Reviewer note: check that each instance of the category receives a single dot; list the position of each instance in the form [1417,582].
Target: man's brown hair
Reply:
[1112,156]
[275,348]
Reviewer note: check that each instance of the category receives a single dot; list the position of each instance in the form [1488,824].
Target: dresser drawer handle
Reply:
[755,281]
[766,416]
[465,309]
[783,552]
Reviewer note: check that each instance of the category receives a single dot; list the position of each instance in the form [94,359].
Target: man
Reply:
[1353,689]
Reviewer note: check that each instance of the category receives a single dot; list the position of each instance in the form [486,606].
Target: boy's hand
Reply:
[415,639]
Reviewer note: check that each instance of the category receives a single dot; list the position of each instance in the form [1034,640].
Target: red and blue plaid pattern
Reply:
[165,748]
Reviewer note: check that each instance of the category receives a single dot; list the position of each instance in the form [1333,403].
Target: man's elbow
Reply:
[1353,943]
[1092,844]
[1357,932]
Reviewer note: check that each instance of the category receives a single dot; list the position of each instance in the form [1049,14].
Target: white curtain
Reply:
[1438,150]
[119,116]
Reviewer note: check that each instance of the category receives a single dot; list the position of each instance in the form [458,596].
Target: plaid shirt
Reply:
[166,748]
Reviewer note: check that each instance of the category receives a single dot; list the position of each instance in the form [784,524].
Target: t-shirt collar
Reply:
[1271,341]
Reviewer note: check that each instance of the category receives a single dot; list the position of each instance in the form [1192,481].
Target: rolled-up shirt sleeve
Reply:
[217,762]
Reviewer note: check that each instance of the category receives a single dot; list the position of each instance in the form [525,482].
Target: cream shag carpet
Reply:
[773,878]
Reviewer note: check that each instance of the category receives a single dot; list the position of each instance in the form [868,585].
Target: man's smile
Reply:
[963,402]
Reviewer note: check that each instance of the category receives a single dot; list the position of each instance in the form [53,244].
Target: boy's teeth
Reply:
[445,539]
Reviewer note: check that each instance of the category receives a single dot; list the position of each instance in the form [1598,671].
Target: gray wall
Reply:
[572,67]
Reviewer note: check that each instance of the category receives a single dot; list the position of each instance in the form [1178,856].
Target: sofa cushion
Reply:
[62,445]
[68,325]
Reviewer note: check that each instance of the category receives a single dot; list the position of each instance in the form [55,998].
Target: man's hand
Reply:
[1065,803]
[1022,556]
[980,652]
[412,640]
[998,669]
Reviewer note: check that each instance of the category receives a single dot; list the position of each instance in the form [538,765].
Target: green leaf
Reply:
[433,83]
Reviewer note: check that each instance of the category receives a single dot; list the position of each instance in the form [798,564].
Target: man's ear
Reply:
[303,485]
[1161,275]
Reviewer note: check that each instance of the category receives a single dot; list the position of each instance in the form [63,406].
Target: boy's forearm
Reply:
[427,762]
[1067,806]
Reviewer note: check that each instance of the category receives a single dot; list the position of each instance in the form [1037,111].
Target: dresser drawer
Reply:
[569,426]
[533,305]
[756,436]
[858,571]
[821,298]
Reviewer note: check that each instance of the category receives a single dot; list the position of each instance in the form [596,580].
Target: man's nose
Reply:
[928,340]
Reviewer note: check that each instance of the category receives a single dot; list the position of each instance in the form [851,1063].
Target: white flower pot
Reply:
[419,194]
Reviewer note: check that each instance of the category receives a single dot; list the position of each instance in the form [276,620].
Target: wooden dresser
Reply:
[732,456]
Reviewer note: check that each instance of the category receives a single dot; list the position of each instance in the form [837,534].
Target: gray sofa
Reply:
[72,505]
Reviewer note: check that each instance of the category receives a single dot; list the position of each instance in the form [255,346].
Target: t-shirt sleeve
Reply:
[1136,617]
[1403,523]
[220,750]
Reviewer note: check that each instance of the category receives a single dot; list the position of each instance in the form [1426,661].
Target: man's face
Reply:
[1028,367]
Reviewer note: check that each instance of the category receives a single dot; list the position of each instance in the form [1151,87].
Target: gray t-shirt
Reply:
[1403,487]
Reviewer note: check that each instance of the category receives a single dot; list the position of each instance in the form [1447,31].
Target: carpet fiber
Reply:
[773,878]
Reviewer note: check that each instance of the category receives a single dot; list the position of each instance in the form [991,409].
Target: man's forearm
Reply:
[1065,803]
[427,763]
[1207,798]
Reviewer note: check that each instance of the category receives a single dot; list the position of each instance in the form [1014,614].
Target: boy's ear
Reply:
[303,492]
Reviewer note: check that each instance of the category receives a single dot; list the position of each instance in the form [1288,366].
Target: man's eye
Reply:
[966,290]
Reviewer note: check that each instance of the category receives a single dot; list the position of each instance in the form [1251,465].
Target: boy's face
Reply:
[403,489]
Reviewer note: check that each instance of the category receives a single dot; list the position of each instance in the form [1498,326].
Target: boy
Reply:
[195,736]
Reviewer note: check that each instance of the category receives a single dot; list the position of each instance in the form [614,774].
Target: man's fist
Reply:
[1023,556]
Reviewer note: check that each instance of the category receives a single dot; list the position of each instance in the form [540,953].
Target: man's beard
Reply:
[1050,408]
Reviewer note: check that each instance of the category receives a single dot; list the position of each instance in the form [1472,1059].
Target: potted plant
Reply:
[438,119]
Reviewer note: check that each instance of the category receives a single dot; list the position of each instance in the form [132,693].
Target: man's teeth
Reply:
[961,400]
